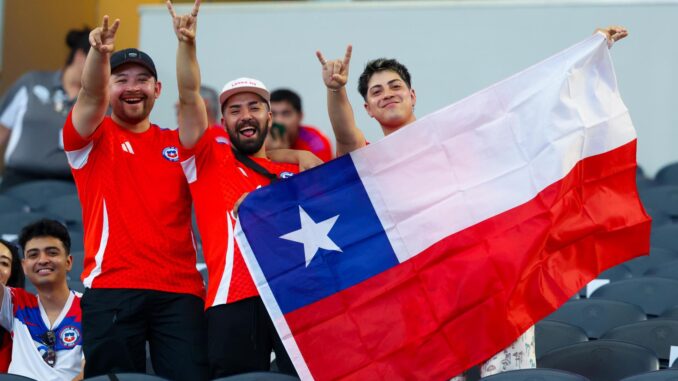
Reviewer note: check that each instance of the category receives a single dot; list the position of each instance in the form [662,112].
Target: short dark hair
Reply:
[287,95]
[45,228]
[16,278]
[378,65]
[77,39]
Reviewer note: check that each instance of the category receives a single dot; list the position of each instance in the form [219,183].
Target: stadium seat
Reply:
[664,270]
[550,335]
[78,263]
[14,377]
[659,218]
[258,376]
[671,313]
[77,240]
[655,334]
[658,375]
[539,374]
[664,198]
[653,295]
[67,208]
[11,223]
[658,255]
[668,174]
[612,274]
[601,360]
[11,205]
[127,377]
[665,236]
[37,193]
[76,285]
[597,316]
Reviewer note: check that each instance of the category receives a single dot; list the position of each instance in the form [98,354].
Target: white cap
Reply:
[244,85]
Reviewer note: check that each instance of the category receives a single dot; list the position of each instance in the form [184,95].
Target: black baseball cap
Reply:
[136,56]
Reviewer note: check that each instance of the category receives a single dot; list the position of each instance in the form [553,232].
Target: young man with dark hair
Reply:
[289,132]
[46,329]
[240,332]
[386,87]
[140,261]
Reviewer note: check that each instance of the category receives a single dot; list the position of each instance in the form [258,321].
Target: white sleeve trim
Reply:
[78,158]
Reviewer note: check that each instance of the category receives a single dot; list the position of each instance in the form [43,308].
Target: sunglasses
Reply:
[49,339]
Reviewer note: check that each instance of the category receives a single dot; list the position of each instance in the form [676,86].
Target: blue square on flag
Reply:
[315,234]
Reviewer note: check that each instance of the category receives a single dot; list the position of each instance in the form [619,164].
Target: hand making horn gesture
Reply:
[335,72]
[102,38]
[184,26]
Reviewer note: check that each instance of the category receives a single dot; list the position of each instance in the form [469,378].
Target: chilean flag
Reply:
[431,250]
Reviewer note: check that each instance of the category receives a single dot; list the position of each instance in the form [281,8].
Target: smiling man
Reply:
[46,329]
[140,262]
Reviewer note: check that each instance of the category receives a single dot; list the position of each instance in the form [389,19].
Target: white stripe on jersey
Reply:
[99,257]
[225,282]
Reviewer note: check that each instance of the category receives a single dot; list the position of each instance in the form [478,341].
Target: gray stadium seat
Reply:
[653,295]
[656,334]
[658,255]
[659,218]
[258,376]
[78,262]
[668,174]
[77,240]
[665,236]
[601,360]
[127,377]
[597,316]
[671,313]
[550,335]
[664,270]
[9,205]
[659,375]
[37,193]
[538,374]
[664,198]
[612,274]
[67,208]
[12,223]
[14,377]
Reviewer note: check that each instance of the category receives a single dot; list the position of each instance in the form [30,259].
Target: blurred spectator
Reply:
[211,98]
[287,130]
[46,329]
[11,275]
[32,114]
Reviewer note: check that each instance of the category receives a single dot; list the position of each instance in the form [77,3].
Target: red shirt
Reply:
[217,181]
[310,139]
[5,350]
[136,209]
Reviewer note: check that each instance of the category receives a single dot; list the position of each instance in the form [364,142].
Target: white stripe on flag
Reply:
[495,150]
[271,305]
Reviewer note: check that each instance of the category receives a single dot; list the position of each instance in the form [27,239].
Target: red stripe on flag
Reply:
[472,294]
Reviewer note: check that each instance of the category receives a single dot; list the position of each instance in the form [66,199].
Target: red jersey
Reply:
[310,139]
[217,181]
[136,209]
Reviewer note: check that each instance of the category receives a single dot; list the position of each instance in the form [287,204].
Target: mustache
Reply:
[248,122]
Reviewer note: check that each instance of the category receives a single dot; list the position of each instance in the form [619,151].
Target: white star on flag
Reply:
[313,235]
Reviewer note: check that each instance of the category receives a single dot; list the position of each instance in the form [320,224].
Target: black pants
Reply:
[241,336]
[116,324]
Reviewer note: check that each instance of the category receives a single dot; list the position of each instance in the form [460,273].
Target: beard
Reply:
[244,145]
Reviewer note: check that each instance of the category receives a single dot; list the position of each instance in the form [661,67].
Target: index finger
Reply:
[321,58]
[347,56]
[170,8]
[196,7]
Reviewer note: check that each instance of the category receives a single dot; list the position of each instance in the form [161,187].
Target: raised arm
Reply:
[192,111]
[335,75]
[90,107]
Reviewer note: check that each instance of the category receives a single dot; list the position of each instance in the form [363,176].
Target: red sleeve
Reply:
[72,139]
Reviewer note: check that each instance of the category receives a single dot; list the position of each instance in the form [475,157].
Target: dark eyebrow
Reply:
[375,86]
[394,80]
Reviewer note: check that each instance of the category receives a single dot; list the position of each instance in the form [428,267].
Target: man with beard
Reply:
[140,262]
[240,332]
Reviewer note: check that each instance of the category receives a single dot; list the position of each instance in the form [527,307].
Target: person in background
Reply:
[211,99]
[46,328]
[32,114]
[287,130]
[11,275]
